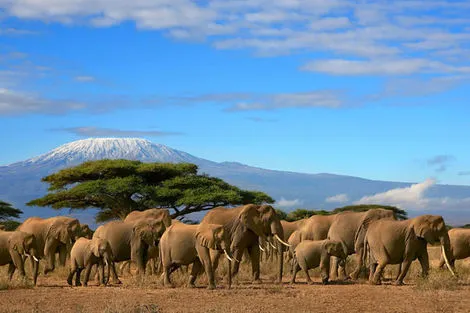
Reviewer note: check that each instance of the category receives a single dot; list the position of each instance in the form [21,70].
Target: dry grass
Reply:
[438,293]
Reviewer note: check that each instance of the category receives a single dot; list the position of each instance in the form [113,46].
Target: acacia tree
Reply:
[117,187]
[399,213]
[7,213]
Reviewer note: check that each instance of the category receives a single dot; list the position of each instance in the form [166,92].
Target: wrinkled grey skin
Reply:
[401,242]
[86,253]
[310,254]
[349,228]
[130,241]
[14,247]
[459,246]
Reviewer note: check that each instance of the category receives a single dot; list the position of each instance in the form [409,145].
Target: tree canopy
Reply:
[399,213]
[299,214]
[7,212]
[117,187]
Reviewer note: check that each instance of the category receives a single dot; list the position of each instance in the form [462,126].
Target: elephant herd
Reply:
[374,237]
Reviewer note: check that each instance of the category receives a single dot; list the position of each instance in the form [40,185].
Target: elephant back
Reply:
[118,234]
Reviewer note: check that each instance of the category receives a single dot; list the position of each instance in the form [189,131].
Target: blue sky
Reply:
[377,89]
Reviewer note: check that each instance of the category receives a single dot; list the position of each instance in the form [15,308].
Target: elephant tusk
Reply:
[280,240]
[261,248]
[26,255]
[105,262]
[228,257]
[273,246]
[35,258]
[446,260]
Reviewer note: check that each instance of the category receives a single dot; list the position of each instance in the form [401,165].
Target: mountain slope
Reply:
[21,181]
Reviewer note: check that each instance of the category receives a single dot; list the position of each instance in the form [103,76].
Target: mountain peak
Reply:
[76,152]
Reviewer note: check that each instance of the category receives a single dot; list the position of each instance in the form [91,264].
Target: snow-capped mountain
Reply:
[110,148]
[21,182]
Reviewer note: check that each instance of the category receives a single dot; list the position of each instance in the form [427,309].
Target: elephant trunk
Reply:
[108,262]
[278,232]
[35,263]
[445,249]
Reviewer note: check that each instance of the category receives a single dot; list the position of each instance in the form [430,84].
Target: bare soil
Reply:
[439,293]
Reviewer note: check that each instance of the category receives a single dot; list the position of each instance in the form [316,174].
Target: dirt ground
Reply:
[440,293]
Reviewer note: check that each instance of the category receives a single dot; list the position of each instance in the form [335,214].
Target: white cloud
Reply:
[340,198]
[414,198]
[288,203]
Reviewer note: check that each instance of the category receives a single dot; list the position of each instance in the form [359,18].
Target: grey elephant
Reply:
[85,254]
[183,244]
[245,225]
[310,254]
[459,246]
[158,214]
[53,235]
[350,228]
[401,242]
[15,246]
[130,241]
[313,228]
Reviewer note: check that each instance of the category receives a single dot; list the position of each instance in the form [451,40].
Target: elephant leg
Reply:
[205,258]
[167,270]
[215,257]
[334,268]
[342,269]
[196,270]
[404,270]
[399,271]
[295,270]
[115,275]
[87,274]
[77,278]
[372,269]
[424,262]
[359,266]
[50,263]
[62,255]
[236,265]
[307,276]
[254,252]
[11,270]
[70,276]
[376,280]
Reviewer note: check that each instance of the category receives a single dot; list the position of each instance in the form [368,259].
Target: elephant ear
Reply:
[426,225]
[207,235]
[250,217]
[95,247]
[59,231]
[16,243]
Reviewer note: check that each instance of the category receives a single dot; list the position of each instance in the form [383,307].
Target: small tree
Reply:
[7,212]
[399,213]
[117,187]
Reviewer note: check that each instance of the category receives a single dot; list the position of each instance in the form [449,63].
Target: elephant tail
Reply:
[365,253]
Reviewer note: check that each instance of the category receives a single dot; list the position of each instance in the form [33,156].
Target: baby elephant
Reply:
[313,253]
[14,247]
[86,253]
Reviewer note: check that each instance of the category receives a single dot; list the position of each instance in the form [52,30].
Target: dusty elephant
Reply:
[130,241]
[183,244]
[313,228]
[401,242]
[15,246]
[313,253]
[459,246]
[54,234]
[245,224]
[162,215]
[350,228]
[86,253]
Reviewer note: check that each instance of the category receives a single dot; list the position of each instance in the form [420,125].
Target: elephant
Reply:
[14,247]
[86,253]
[183,244]
[245,224]
[156,214]
[313,253]
[313,228]
[401,242]
[290,227]
[85,231]
[459,246]
[54,234]
[162,215]
[130,241]
[349,228]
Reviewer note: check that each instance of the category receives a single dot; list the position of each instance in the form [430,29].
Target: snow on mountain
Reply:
[111,148]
